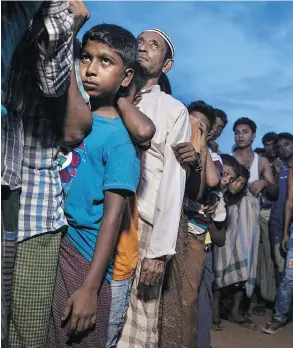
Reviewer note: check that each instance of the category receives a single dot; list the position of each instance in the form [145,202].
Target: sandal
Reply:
[259,310]
[246,322]
[272,327]
[217,325]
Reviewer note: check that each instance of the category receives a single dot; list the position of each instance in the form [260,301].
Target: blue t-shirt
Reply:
[277,212]
[106,160]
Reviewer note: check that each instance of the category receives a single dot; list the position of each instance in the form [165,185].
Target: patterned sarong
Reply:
[179,302]
[236,261]
[33,285]
[140,328]
[72,269]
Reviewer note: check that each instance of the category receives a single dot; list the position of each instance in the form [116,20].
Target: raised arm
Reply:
[55,48]
[140,126]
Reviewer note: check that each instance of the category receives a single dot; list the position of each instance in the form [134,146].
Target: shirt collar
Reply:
[154,88]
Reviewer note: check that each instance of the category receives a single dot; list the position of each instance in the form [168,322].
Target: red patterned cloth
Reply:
[72,270]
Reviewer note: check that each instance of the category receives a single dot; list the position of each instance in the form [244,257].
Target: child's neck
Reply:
[104,107]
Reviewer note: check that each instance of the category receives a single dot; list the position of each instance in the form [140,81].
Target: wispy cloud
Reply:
[236,56]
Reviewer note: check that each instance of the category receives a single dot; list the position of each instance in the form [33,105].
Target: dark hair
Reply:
[287,136]
[164,83]
[221,115]
[230,161]
[245,121]
[244,172]
[268,137]
[116,37]
[259,151]
[204,108]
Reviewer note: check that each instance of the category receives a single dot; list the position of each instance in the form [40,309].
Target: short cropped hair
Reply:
[259,151]
[116,37]
[204,108]
[230,161]
[287,136]
[245,121]
[268,137]
[221,115]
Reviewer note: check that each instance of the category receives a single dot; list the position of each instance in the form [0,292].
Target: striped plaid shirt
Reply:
[37,74]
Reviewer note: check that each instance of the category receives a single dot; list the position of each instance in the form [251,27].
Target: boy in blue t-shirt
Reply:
[97,178]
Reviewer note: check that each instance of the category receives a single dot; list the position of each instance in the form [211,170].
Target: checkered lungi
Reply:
[33,285]
[141,325]
[72,269]
[9,227]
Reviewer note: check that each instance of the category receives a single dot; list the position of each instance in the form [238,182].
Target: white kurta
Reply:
[163,178]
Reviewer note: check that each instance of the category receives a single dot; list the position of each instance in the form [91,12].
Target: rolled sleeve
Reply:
[170,195]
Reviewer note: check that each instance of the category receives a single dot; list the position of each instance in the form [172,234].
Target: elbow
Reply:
[75,136]
[213,182]
[145,134]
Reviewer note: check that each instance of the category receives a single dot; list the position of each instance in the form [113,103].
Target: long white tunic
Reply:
[163,178]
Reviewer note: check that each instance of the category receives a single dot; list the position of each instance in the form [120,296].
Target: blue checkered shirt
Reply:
[36,75]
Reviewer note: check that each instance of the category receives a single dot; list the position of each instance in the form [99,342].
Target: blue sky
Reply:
[236,56]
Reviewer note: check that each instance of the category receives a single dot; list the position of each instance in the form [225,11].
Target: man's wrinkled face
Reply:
[152,50]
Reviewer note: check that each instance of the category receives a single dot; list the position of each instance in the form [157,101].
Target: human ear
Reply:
[128,75]
[168,65]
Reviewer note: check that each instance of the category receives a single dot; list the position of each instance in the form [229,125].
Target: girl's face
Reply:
[229,176]
[237,186]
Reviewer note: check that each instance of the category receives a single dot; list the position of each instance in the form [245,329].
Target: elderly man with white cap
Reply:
[161,191]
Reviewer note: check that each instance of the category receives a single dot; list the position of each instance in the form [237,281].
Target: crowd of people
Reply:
[123,224]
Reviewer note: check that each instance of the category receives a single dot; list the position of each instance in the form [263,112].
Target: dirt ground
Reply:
[235,336]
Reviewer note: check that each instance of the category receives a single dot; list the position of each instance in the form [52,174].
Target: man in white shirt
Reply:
[161,192]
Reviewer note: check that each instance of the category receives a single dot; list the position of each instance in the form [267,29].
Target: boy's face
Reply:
[102,70]
[243,136]
[237,185]
[152,51]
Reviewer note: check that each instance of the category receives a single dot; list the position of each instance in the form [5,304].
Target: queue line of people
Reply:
[123,225]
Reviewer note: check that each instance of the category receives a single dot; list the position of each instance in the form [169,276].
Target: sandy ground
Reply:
[235,336]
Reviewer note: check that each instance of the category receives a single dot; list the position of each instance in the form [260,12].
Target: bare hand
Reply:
[204,133]
[284,242]
[257,186]
[185,153]
[81,307]
[81,14]
[210,209]
[152,271]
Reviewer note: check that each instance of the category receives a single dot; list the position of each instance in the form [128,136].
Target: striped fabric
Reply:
[11,150]
[236,261]
[141,325]
[35,73]
[9,223]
